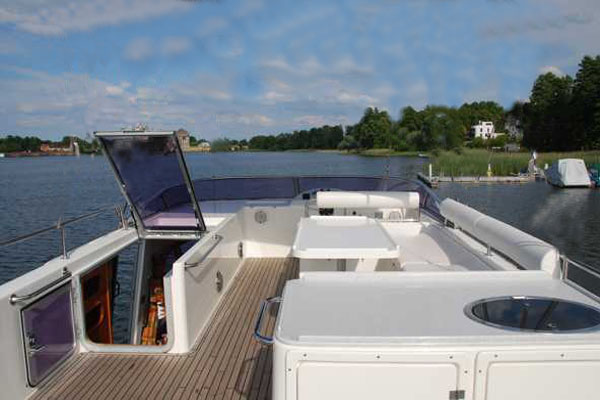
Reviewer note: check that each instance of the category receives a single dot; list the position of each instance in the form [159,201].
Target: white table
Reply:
[343,238]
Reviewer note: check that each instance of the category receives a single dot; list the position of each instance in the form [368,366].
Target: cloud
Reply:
[552,69]
[114,90]
[175,45]
[212,26]
[561,22]
[143,48]
[138,49]
[55,17]
[320,120]
[244,119]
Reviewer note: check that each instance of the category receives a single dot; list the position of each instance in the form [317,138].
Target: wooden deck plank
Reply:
[222,353]
[260,356]
[245,342]
[225,363]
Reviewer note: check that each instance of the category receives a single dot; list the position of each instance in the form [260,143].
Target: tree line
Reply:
[562,114]
[15,143]
[325,137]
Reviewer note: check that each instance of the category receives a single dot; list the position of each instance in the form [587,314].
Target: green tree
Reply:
[547,124]
[374,125]
[586,104]
[410,119]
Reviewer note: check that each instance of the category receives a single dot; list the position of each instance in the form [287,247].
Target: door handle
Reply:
[33,346]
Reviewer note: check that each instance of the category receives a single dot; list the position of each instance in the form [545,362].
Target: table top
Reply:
[343,237]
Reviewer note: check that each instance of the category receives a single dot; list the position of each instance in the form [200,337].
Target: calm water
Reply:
[36,192]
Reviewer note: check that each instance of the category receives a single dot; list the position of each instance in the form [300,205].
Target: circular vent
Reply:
[260,216]
[534,314]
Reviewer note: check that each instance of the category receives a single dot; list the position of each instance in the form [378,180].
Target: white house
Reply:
[484,130]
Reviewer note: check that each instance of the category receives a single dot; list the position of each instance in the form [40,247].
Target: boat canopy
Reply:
[154,178]
[568,172]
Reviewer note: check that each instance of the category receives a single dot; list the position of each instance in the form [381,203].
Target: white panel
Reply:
[194,290]
[360,381]
[368,200]
[549,381]
[548,375]
[274,236]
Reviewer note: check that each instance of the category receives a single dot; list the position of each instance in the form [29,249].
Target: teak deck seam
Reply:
[224,363]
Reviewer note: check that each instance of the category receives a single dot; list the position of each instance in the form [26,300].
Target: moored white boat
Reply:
[568,172]
[383,291]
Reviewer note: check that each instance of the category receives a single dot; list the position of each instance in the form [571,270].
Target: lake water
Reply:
[36,192]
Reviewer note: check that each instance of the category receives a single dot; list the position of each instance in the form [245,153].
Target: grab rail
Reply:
[566,261]
[60,226]
[259,321]
[217,238]
[567,264]
[15,298]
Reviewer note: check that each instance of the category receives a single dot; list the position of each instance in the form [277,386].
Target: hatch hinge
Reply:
[241,249]
[456,395]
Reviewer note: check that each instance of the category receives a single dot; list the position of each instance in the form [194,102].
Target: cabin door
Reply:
[48,332]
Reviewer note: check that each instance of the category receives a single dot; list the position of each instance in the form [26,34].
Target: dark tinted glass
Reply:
[257,188]
[536,314]
[245,188]
[148,166]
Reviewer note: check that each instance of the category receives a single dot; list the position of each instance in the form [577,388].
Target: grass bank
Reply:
[388,152]
[474,162]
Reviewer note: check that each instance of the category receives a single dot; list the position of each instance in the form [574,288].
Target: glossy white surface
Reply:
[322,237]
[397,308]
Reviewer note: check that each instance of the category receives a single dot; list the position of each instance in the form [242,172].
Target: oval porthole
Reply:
[534,314]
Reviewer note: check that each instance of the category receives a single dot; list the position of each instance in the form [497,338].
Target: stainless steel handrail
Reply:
[586,268]
[259,321]
[60,224]
[15,298]
[217,239]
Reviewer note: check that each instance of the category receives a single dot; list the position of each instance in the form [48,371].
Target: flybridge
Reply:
[384,291]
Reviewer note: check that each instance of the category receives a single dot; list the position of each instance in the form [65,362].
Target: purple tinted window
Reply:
[257,188]
[245,188]
[48,333]
[154,179]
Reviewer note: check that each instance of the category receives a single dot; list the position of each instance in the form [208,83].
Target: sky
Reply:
[235,69]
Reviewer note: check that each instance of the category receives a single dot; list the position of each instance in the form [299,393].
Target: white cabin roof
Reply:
[394,308]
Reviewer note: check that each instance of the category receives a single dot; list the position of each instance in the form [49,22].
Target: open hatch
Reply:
[154,179]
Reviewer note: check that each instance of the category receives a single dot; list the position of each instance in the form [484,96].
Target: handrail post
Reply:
[63,239]
[565,268]
[121,216]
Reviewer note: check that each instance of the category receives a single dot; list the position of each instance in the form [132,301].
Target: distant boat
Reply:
[421,155]
[568,172]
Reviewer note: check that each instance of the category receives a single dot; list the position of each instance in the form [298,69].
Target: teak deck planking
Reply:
[225,363]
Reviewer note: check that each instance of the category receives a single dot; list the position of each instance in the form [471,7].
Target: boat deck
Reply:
[226,363]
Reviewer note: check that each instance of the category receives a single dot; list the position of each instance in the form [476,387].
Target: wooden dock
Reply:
[434,181]
[226,362]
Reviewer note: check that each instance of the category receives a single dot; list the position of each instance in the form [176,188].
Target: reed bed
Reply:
[474,162]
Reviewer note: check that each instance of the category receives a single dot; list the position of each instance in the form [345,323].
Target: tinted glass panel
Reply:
[256,188]
[536,314]
[245,188]
[149,167]
[48,333]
